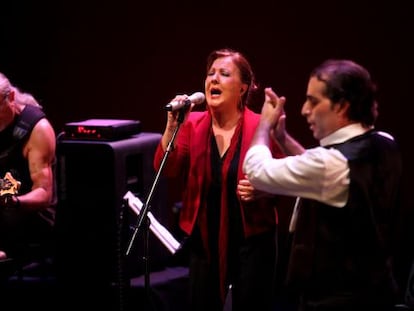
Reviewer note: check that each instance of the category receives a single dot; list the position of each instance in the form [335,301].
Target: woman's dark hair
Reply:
[247,75]
[348,81]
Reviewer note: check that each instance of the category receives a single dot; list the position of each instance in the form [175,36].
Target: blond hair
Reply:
[20,97]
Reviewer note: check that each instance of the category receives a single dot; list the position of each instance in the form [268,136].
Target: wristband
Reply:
[16,201]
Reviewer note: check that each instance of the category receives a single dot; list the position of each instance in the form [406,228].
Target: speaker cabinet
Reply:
[93,223]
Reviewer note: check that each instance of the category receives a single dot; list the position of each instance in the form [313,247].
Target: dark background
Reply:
[126,59]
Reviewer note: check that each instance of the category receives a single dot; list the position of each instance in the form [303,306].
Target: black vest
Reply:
[343,255]
[12,141]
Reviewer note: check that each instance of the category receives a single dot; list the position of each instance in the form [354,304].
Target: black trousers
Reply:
[20,229]
[252,277]
[368,305]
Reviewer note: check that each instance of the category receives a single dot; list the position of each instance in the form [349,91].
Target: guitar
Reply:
[9,186]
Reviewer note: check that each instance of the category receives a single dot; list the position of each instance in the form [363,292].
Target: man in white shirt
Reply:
[349,190]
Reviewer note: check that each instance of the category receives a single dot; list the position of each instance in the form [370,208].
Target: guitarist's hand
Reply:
[9,201]
[9,188]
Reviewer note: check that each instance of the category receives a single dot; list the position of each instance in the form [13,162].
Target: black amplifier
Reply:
[102,129]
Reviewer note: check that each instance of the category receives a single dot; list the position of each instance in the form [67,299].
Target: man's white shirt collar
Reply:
[343,134]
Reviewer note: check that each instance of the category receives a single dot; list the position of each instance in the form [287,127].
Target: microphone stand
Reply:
[145,208]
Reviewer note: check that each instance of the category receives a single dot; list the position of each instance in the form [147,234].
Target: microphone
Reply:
[196,98]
